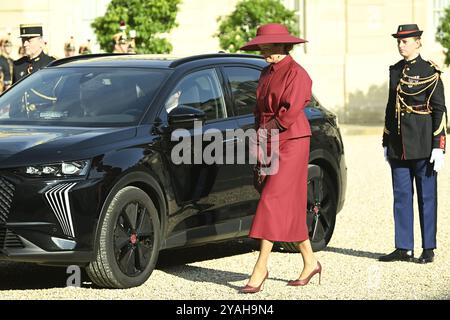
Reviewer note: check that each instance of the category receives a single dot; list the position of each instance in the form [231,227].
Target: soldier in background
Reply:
[6,63]
[85,48]
[34,58]
[69,48]
[2,86]
[122,44]
[414,142]
[132,47]
[21,52]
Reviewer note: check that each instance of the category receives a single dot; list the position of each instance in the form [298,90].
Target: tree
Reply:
[240,26]
[150,18]
[443,34]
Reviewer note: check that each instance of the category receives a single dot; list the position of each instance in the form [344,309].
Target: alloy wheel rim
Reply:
[133,239]
[320,227]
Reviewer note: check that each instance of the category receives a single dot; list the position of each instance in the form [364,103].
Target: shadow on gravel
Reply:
[28,276]
[24,276]
[214,276]
[174,261]
[354,253]
[173,257]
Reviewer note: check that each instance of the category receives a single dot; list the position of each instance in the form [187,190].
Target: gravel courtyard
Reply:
[364,230]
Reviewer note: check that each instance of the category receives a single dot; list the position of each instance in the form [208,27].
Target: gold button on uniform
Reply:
[403,114]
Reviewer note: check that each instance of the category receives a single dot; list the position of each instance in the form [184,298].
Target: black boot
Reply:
[398,255]
[426,256]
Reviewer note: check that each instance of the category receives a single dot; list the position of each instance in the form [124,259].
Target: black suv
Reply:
[86,170]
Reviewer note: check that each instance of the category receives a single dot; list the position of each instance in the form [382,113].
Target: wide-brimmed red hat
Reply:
[271,33]
[407,31]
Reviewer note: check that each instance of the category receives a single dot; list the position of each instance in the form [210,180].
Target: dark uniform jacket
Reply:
[25,66]
[6,67]
[415,119]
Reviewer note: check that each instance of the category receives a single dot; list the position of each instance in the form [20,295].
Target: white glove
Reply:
[437,156]
[385,154]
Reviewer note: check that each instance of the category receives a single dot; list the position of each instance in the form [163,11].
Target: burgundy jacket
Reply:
[284,89]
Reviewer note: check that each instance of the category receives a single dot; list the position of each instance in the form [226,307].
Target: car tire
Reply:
[323,200]
[129,241]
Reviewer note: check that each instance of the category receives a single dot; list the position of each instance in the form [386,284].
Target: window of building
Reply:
[439,7]
[298,7]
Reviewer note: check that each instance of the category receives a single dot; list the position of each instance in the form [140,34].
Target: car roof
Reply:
[150,60]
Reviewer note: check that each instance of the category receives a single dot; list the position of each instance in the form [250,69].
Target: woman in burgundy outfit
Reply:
[284,90]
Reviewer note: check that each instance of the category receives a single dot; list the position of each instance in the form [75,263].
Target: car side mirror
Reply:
[185,116]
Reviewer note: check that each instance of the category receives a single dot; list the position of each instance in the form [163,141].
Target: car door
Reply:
[206,189]
[242,82]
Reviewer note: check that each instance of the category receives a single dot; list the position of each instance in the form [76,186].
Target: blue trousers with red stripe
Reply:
[404,173]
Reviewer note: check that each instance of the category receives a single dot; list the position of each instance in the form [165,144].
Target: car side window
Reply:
[243,82]
[200,90]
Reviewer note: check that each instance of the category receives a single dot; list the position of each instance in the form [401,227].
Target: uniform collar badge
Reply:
[412,61]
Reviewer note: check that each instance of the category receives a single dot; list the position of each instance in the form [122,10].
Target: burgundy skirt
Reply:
[281,211]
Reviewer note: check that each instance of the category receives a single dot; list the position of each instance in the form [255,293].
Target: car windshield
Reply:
[81,97]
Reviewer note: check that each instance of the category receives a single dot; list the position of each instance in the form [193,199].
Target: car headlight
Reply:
[69,168]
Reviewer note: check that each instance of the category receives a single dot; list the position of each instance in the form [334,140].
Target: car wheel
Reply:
[321,210]
[129,241]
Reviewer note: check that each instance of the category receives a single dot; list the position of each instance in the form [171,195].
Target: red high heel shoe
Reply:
[250,289]
[304,282]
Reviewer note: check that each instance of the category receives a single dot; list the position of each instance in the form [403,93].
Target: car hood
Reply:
[35,145]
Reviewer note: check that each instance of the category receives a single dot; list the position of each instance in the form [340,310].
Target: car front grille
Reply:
[9,239]
[6,197]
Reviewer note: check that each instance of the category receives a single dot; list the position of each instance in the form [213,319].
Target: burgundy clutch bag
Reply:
[259,178]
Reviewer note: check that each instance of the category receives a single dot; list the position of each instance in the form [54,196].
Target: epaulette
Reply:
[435,66]
[49,56]
[398,65]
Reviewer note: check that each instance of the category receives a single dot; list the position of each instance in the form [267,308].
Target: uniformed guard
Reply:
[2,87]
[85,48]
[69,48]
[414,143]
[6,63]
[34,58]
[33,101]
[121,42]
